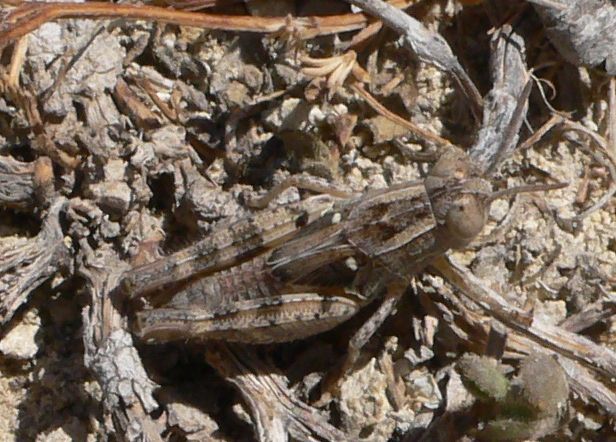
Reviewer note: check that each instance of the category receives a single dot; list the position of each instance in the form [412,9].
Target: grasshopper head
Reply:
[460,200]
[467,211]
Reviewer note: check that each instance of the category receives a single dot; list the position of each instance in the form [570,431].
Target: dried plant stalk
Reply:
[29,16]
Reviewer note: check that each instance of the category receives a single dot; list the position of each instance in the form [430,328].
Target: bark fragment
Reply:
[583,31]
[16,183]
[25,264]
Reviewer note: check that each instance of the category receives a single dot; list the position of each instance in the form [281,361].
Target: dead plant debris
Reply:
[131,130]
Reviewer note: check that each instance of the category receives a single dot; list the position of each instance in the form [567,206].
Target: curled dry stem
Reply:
[337,68]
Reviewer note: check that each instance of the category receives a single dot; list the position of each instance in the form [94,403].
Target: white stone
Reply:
[550,312]
[19,343]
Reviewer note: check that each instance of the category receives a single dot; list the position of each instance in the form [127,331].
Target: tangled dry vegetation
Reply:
[128,132]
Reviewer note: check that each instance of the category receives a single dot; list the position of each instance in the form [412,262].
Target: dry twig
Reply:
[506,103]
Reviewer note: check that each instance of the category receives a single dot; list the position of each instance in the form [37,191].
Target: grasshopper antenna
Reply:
[525,189]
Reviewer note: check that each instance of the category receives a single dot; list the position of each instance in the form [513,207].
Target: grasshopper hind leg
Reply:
[257,321]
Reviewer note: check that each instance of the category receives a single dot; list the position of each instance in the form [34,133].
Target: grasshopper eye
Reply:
[465,218]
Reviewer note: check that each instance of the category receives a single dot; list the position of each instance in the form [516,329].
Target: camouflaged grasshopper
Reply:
[294,271]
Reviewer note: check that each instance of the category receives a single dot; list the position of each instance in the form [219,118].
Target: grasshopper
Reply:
[294,271]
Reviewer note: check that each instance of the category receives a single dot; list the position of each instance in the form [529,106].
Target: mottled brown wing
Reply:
[228,245]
